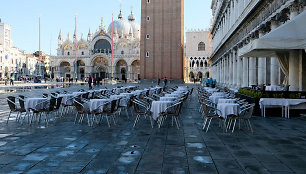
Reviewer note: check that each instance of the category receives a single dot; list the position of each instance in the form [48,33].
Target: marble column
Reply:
[234,81]
[294,70]
[252,71]
[245,72]
[274,74]
[230,69]
[261,66]
[239,71]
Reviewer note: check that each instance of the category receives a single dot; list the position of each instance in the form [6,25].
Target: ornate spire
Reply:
[131,32]
[68,36]
[89,35]
[60,37]
[120,16]
[102,25]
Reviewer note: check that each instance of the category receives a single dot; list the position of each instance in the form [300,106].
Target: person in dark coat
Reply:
[90,82]
[165,81]
[158,81]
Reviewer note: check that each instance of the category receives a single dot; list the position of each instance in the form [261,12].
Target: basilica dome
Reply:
[121,26]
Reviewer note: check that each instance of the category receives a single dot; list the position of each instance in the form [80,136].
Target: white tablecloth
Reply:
[218,94]
[127,95]
[78,93]
[212,90]
[95,103]
[184,88]
[173,95]
[227,109]
[67,98]
[215,99]
[280,102]
[138,92]
[123,99]
[158,107]
[32,102]
[168,98]
[274,88]
[222,100]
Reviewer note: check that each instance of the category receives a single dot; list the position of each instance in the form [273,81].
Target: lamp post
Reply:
[75,52]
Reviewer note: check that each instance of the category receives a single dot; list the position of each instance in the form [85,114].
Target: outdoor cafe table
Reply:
[218,94]
[228,109]
[30,103]
[284,103]
[127,95]
[215,99]
[222,100]
[212,90]
[158,107]
[78,93]
[95,103]
[274,88]
[67,98]
[123,99]
[167,98]
[173,95]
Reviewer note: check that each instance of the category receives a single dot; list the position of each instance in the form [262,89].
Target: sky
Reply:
[56,15]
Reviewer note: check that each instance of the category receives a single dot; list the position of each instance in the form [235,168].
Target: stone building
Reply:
[162,39]
[94,55]
[10,57]
[197,52]
[237,25]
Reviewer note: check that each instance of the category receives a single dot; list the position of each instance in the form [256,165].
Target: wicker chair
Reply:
[210,113]
[244,115]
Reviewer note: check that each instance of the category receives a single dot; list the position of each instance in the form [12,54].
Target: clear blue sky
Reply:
[22,15]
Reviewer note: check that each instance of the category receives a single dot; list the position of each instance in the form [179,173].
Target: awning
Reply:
[289,36]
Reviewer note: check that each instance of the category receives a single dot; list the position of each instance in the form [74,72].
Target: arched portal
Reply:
[102,46]
[191,76]
[135,70]
[80,69]
[200,75]
[207,74]
[121,69]
[100,64]
[65,69]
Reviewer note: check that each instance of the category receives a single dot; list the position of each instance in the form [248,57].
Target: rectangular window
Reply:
[148,18]
[147,36]
[147,54]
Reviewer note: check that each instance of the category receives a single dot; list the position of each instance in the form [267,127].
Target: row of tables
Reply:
[224,105]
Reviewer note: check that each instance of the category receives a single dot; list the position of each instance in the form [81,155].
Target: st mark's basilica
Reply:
[94,55]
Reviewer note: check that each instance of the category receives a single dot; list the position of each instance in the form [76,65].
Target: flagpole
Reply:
[75,52]
[112,46]
[39,52]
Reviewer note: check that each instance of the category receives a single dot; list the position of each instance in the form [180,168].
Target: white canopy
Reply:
[290,36]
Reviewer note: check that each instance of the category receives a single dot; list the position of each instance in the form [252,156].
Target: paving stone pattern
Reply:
[277,145]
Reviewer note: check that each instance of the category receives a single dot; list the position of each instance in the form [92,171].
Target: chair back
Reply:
[250,112]
[52,104]
[45,95]
[78,105]
[85,96]
[114,106]
[21,102]
[59,102]
[11,103]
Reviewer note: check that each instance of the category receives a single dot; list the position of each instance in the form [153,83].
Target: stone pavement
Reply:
[277,145]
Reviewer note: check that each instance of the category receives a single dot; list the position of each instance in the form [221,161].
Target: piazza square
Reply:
[153,87]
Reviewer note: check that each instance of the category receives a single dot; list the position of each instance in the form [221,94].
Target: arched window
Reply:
[122,52]
[68,53]
[201,46]
[82,52]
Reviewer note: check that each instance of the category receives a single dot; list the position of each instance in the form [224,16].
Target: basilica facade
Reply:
[94,55]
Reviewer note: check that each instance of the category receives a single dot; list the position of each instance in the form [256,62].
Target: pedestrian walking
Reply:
[89,82]
[5,80]
[165,81]
[158,81]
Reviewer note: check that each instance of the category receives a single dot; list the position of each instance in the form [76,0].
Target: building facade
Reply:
[162,39]
[238,23]
[197,51]
[94,55]
[11,58]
